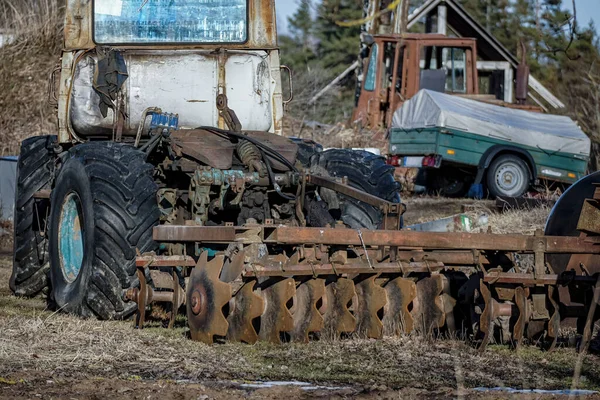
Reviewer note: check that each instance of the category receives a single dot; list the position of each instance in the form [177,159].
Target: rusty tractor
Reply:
[258,236]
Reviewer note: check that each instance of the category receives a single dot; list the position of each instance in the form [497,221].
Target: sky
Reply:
[586,10]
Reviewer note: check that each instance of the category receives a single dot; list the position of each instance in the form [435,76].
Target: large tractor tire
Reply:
[30,253]
[103,211]
[365,171]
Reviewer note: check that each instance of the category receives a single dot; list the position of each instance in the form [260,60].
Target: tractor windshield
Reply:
[170,21]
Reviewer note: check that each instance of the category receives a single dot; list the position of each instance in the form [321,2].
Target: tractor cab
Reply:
[397,67]
[126,59]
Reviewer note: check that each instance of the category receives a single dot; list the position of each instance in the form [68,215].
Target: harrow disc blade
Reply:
[277,317]
[523,307]
[397,318]
[486,318]
[205,297]
[307,317]
[247,306]
[428,306]
[554,321]
[371,298]
[338,319]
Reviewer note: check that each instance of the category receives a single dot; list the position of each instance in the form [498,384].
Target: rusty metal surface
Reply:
[530,280]
[204,147]
[307,317]
[376,107]
[370,300]
[431,240]
[277,318]
[332,269]
[347,190]
[164,261]
[182,233]
[523,318]
[247,306]
[205,298]
[397,318]
[337,318]
[487,316]
[407,239]
[428,306]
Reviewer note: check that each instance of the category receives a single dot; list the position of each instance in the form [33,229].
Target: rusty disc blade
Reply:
[205,297]
[140,316]
[247,306]
[554,321]
[487,316]
[233,267]
[522,306]
[371,298]
[397,319]
[428,305]
[338,319]
[277,317]
[307,317]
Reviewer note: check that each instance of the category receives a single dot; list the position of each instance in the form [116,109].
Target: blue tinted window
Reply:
[372,71]
[170,21]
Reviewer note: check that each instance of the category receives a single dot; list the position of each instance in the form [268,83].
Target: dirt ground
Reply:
[50,355]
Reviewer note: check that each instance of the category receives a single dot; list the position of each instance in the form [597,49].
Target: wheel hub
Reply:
[509,177]
[197,302]
[70,233]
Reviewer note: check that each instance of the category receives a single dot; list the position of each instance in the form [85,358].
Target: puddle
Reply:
[301,385]
[564,392]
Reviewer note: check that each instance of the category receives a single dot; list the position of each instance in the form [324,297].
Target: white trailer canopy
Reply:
[552,133]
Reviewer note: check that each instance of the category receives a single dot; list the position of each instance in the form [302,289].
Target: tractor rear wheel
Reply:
[103,211]
[34,173]
[365,171]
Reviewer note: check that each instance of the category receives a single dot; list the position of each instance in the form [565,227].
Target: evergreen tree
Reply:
[301,24]
[338,46]
[297,49]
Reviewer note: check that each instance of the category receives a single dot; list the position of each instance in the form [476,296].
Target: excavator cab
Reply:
[397,67]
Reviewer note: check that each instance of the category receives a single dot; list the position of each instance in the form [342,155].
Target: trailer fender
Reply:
[491,153]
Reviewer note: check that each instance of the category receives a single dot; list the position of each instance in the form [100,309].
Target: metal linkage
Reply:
[291,283]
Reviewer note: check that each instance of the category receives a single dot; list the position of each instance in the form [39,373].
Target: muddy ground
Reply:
[50,355]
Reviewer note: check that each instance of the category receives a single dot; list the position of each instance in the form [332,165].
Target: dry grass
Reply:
[337,135]
[428,208]
[519,221]
[6,229]
[25,67]
[38,344]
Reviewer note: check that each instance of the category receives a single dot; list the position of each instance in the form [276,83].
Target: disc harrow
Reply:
[298,284]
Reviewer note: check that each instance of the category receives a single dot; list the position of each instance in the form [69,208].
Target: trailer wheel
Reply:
[103,210]
[30,253]
[365,171]
[508,176]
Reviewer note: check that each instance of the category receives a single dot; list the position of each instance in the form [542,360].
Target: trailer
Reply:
[470,142]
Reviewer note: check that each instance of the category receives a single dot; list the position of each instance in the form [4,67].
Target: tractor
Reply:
[169,184]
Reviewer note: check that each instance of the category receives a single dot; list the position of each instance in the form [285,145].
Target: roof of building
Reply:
[488,47]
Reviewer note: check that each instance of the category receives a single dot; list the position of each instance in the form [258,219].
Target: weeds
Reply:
[26,61]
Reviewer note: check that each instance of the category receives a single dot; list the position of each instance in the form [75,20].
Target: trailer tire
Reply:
[30,246]
[103,210]
[365,171]
[508,175]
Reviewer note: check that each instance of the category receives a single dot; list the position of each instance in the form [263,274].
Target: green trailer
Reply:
[458,142]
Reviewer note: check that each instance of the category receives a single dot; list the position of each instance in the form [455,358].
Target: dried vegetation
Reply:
[32,32]
[35,341]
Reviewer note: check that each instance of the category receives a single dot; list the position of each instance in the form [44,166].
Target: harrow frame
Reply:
[403,274]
